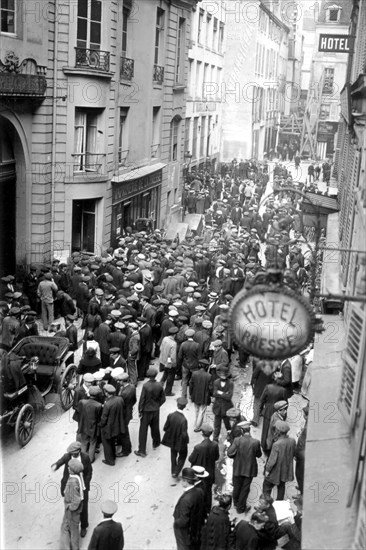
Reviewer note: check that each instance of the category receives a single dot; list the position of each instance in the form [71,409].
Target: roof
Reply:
[320,200]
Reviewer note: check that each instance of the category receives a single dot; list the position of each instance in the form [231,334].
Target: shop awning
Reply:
[330,203]
[138,173]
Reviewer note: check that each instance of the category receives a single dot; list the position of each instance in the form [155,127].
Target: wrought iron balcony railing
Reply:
[158,74]
[122,156]
[127,68]
[88,162]
[92,59]
[155,150]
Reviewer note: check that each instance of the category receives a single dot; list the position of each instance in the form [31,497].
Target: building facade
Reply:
[338,479]
[203,111]
[92,114]
[256,77]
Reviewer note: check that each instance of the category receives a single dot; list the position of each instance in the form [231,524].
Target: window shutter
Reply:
[353,357]
[349,209]
[360,534]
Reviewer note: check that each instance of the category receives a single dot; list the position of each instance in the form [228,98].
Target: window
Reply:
[214,33]
[7,9]
[194,139]
[179,66]
[155,144]
[190,77]
[187,130]
[174,133]
[208,28]
[83,225]
[198,79]
[126,14]
[324,111]
[205,80]
[123,136]
[200,27]
[221,37]
[159,28]
[328,80]
[87,157]
[333,13]
[89,24]
[203,136]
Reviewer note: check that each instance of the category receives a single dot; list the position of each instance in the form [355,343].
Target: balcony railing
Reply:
[122,156]
[88,162]
[158,74]
[127,68]
[92,59]
[155,150]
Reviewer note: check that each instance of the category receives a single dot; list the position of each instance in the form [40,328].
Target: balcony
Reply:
[328,89]
[155,150]
[88,162]
[20,80]
[158,74]
[127,68]
[122,156]
[92,59]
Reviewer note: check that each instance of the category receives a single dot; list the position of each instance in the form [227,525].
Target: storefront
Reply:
[136,196]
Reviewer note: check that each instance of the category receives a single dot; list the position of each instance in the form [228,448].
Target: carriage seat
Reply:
[46,353]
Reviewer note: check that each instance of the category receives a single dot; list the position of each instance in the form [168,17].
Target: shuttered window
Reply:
[360,534]
[348,210]
[359,64]
[353,356]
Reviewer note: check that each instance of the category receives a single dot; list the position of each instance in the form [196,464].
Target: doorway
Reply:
[83,225]
[7,205]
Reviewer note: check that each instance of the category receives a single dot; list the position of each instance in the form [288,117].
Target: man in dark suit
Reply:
[200,390]
[258,382]
[128,393]
[188,356]
[81,392]
[102,336]
[112,423]
[271,394]
[90,412]
[146,347]
[116,359]
[176,437]
[244,450]
[71,332]
[223,390]
[151,399]
[206,454]
[280,465]
[74,451]
[189,513]
[108,534]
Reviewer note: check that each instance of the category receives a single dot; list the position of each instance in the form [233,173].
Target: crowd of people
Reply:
[159,310]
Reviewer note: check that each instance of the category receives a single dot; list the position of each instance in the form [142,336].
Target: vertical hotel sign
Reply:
[335,43]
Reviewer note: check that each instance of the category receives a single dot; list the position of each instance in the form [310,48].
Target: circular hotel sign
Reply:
[270,322]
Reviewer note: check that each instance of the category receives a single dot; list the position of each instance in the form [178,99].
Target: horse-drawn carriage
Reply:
[36,366]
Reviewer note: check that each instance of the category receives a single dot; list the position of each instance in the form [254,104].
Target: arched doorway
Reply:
[7,202]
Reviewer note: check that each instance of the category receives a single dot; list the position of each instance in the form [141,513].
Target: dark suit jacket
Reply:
[152,396]
[113,421]
[146,339]
[200,387]
[90,412]
[259,381]
[128,393]
[280,464]
[101,334]
[189,513]
[87,472]
[223,401]
[108,535]
[246,536]
[79,394]
[245,450]
[206,454]
[188,355]
[176,431]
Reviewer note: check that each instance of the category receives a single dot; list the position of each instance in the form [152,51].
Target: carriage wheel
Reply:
[67,387]
[24,425]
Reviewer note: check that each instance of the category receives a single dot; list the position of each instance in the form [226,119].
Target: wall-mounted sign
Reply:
[336,43]
[271,322]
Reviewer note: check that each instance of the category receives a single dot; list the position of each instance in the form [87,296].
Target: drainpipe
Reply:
[54,105]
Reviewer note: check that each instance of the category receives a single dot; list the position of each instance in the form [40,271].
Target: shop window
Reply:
[83,225]
[7,15]
[87,151]
[89,24]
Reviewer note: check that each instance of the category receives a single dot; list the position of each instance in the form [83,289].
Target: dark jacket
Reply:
[246,537]
[113,421]
[245,450]
[271,394]
[206,454]
[90,412]
[89,364]
[200,387]
[176,431]
[101,334]
[280,464]
[188,355]
[80,393]
[223,402]
[215,534]
[128,393]
[152,396]
[108,535]
[189,514]
[146,339]
[87,472]
[259,381]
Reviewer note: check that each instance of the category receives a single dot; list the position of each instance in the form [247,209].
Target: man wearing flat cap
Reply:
[90,412]
[108,534]
[151,399]
[280,465]
[280,413]
[206,454]
[112,423]
[223,390]
[46,292]
[146,347]
[168,360]
[176,437]
[128,394]
[74,504]
[244,450]
[200,390]
[188,357]
[74,452]
[189,513]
